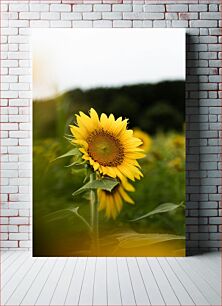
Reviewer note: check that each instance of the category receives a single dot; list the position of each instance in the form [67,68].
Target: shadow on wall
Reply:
[195,224]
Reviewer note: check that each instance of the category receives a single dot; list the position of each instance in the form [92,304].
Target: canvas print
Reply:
[108,142]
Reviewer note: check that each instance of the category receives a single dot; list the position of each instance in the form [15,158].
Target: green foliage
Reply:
[60,225]
[104,183]
[163,182]
[166,207]
[134,240]
[162,105]
[73,152]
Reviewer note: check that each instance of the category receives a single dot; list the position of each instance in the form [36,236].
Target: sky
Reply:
[65,59]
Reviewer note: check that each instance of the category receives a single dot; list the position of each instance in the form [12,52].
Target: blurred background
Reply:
[133,73]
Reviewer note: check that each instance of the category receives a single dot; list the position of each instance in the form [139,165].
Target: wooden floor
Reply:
[110,281]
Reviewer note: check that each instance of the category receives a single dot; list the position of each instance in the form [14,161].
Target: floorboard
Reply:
[75,286]
[27,280]
[113,283]
[126,289]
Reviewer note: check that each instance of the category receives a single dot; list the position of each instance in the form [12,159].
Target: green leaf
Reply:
[104,183]
[166,207]
[73,152]
[69,138]
[136,240]
[75,211]
[64,213]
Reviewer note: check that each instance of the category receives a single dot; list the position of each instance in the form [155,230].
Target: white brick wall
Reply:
[203,94]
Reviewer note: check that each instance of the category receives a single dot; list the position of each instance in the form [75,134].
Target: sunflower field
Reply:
[144,218]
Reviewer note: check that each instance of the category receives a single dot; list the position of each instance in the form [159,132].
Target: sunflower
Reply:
[145,138]
[176,164]
[178,141]
[112,202]
[107,145]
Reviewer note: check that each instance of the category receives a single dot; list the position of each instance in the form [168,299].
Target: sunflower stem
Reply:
[94,220]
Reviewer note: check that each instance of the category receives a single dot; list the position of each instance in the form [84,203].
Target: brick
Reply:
[29,15]
[137,8]
[177,8]
[71,16]
[187,16]
[18,55]
[9,94]
[171,16]
[82,8]
[208,213]
[25,244]
[19,102]
[203,23]
[9,126]
[9,31]
[102,7]
[9,212]
[209,228]
[12,158]
[19,71]
[4,7]
[9,78]
[204,31]
[215,78]
[18,236]
[4,236]
[9,63]
[24,212]
[147,24]
[60,8]
[102,24]
[9,142]
[216,31]
[213,7]
[207,16]
[39,24]
[180,23]
[138,23]
[60,24]
[208,39]
[199,236]
[208,205]
[37,7]
[122,23]
[82,24]
[135,15]
[154,8]
[3,220]
[197,7]
[215,220]
[9,244]
[19,118]
[214,47]
[121,7]
[24,229]
[51,15]
[214,63]
[18,7]
[18,39]
[215,236]
[92,16]
[18,23]
[112,15]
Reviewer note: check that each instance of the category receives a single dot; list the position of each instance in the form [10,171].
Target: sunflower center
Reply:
[105,148]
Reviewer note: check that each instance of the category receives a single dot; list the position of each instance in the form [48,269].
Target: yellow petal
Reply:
[95,117]
[125,196]
[127,185]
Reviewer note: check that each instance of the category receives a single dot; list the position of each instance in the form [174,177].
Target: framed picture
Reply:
[108,142]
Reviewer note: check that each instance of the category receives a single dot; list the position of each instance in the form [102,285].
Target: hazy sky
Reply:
[70,58]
